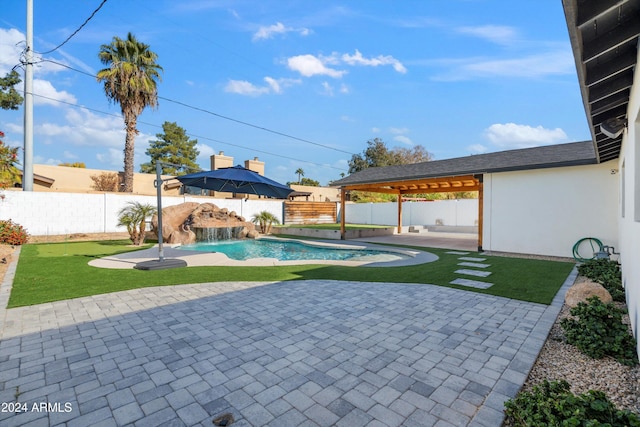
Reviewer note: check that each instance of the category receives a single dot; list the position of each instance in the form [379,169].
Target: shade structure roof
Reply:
[236,179]
[604,37]
[461,173]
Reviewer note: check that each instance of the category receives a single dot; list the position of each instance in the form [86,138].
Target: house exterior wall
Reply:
[546,211]
[629,207]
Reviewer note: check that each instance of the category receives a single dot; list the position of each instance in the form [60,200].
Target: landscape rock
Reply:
[583,290]
[179,222]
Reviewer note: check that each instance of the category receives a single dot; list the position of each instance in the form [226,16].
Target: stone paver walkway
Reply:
[298,353]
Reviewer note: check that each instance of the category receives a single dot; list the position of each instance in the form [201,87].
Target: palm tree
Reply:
[300,173]
[134,217]
[130,80]
[265,219]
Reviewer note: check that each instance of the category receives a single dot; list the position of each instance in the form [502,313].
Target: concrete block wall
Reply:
[48,214]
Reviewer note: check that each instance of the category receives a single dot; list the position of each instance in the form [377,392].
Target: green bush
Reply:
[607,273]
[12,233]
[598,331]
[552,404]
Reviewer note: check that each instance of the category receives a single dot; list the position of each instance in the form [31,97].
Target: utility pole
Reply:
[27,172]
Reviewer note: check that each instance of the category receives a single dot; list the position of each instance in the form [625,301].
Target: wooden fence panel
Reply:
[310,212]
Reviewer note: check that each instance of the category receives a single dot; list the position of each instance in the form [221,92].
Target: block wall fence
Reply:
[48,214]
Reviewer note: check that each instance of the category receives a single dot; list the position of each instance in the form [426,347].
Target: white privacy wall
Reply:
[546,211]
[462,212]
[43,213]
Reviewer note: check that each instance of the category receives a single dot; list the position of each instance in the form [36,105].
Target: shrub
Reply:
[598,331]
[105,181]
[12,233]
[552,404]
[607,273]
[134,217]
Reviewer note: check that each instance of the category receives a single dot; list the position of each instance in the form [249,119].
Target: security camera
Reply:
[613,128]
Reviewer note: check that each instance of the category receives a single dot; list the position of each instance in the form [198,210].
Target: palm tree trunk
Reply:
[130,127]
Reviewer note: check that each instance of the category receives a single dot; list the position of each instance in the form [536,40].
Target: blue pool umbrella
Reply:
[236,179]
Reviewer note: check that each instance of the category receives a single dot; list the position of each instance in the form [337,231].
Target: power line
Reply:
[191,134]
[76,31]
[203,110]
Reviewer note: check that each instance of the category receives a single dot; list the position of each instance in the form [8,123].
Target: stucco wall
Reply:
[46,214]
[629,233]
[462,212]
[547,211]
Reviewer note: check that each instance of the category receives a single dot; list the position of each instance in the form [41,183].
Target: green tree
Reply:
[10,99]
[80,165]
[310,182]
[130,80]
[134,217]
[172,146]
[300,174]
[9,173]
[377,154]
[265,220]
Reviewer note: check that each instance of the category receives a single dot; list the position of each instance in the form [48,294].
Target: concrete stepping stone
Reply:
[470,258]
[471,283]
[476,273]
[474,264]
[457,253]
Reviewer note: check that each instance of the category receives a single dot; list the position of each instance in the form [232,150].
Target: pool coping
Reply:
[197,258]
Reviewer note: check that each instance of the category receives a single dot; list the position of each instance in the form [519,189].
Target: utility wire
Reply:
[252,149]
[76,31]
[202,110]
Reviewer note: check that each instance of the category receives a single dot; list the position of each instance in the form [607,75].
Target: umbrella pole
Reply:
[161,263]
[159,196]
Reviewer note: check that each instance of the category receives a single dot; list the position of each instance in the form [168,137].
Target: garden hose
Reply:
[592,243]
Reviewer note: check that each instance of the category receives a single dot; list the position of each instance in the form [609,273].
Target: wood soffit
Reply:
[425,185]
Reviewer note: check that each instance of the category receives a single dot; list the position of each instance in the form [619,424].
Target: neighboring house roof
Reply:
[604,38]
[550,156]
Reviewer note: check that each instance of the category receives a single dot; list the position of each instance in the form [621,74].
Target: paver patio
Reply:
[285,354]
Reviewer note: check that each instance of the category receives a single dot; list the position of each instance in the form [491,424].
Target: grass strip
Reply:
[59,271]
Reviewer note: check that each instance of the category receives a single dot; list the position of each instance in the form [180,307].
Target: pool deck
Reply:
[294,353]
[198,258]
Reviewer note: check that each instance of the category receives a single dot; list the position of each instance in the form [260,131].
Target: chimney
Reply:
[219,161]
[255,165]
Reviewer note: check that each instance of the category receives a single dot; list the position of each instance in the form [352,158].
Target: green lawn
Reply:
[59,271]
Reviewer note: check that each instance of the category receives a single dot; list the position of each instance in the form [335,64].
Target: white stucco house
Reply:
[543,200]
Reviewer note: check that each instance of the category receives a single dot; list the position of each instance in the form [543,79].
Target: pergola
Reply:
[460,174]
[445,184]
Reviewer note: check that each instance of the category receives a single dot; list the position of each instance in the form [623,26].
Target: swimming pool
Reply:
[289,250]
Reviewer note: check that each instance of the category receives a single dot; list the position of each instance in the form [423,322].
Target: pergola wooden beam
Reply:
[450,184]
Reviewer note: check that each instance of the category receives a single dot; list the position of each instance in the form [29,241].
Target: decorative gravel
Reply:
[559,360]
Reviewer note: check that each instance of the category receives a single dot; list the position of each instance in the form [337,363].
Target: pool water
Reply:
[289,250]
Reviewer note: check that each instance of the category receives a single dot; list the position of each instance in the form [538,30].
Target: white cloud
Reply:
[206,152]
[499,34]
[398,131]
[46,161]
[344,88]
[358,59]
[243,87]
[278,28]
[403,139]
[346,118]
[375,130]
[46,94]
[327,89]
[477,149]
[69,155]
[557,62]
[310,65]
[511,135]
[10,49]
[112,158]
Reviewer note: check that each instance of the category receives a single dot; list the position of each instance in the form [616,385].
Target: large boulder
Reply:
[179,222]
[585,289]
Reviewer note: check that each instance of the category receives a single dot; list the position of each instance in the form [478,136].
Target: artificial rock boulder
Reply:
[182,223]
[584,290]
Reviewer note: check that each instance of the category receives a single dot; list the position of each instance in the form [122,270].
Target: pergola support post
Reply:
[480,209]
[399,213]
[343,228]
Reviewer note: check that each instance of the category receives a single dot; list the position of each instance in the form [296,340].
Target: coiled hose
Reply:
[595,245]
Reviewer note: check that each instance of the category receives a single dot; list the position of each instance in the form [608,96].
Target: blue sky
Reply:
[304,84]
